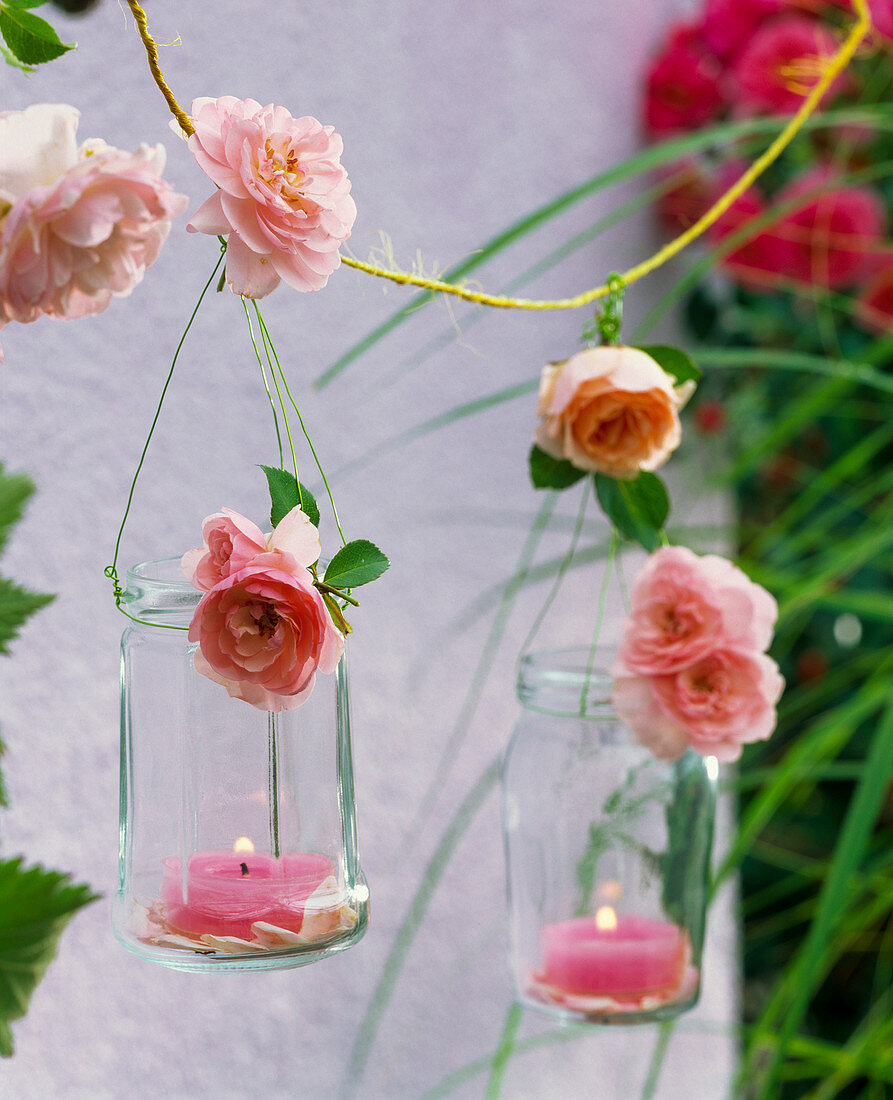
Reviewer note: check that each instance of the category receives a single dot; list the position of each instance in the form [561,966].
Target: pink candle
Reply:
[637,957]
[226,892]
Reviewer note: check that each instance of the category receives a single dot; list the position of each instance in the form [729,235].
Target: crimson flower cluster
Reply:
[743,58]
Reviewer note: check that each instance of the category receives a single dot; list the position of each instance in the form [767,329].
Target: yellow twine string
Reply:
[834,68]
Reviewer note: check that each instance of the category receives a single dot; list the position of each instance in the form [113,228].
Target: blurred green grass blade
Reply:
[450,752]
[849,852]
[820,741]
[395,960]
[550,260]
[435,424]
[781,537]
[800,362]
[504,1050]
[653,157]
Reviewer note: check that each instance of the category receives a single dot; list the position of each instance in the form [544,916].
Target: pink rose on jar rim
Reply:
[284,201]
[78,226]
[684,606]
[264,632]
[715,706]
[609,409]
[231,542]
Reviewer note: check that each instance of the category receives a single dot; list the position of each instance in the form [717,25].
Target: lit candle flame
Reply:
[605,919]
[243,844]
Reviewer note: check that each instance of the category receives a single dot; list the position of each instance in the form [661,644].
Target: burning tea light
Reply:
[623,957]
[225,893]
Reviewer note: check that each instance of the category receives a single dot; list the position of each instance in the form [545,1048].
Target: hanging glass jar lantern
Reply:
[237,833]
[607,850]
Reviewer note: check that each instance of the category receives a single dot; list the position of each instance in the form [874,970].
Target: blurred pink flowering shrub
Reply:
[692,669]
[283,200]
[78,226]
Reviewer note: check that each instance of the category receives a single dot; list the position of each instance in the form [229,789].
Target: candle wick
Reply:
[244,867]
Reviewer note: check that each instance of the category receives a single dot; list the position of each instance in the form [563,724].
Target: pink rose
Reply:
[77,226]
[264,632]
[875,305]
[762,259]
[611,409]
[284,200]
[683,607]
[684,85]
[232,542]
[831,238]
[781,64]
[715,705]
[728,24]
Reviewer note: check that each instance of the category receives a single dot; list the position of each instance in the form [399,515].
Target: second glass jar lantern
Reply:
[238,837]
[607,851]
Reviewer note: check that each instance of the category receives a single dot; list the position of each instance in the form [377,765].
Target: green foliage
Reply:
[16,605]
[674,361]
[35,906]
[15,489]
[359,562]
[286,492]
[547,472]
[30,39]
[638,508]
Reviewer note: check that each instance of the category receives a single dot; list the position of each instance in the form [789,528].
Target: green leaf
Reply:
[674,361]
[359,562]
[35,906]
[286,492]
[30,38]
[10,58]
[22,3]
[547,472]
[14,491]
[637,508]
[16,605]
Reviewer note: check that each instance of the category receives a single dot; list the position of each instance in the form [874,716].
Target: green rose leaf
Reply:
[637,508]
[22,3]
[359,562]
[14,492]
[674,361]
[30,38]
[35,906]
[16,605]
[286,492]
[547,472]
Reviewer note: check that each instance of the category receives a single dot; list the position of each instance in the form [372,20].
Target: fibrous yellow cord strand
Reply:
[833,69]
[152,50]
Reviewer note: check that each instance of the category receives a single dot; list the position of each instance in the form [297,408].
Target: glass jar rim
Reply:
[574,680]
[158,590]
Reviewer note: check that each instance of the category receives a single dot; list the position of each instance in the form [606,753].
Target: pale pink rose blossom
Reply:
[715,705]
[636,705]
[284,200]
[723,701]
[77,226]
[683,606]
[611,409]
[264,632]
[231,542]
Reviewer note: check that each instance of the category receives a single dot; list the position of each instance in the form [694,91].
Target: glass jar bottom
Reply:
[145,930]
[571,1007]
